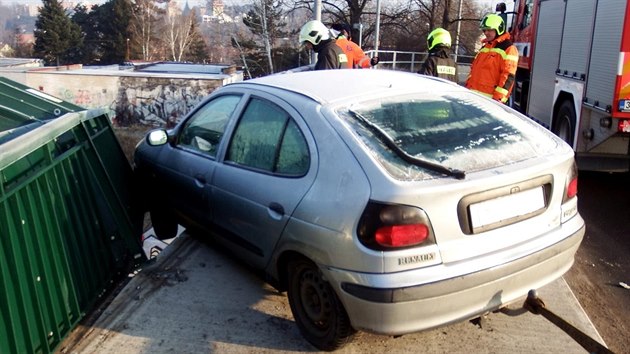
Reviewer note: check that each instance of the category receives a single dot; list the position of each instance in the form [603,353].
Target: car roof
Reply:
[328,86]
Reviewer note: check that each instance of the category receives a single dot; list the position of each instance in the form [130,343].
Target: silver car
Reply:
[381,201]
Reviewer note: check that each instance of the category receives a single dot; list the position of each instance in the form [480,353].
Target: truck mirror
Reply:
[500,7]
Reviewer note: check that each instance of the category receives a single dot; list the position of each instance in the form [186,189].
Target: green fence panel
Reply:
[19,101]
[67,228]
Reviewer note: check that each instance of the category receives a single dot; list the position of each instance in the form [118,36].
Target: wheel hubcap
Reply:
[314,299]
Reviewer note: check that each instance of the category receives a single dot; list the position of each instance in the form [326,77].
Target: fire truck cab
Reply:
[574,74]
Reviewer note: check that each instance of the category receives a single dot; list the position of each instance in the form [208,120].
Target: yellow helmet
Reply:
[493,21]
[438,36]
[314,32]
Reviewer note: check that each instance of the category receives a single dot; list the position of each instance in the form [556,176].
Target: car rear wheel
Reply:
[317,310]
[164,225]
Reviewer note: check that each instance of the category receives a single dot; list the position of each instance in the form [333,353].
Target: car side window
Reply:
[204,130]
[268,139]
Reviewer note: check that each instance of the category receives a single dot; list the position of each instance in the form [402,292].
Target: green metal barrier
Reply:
[67,226]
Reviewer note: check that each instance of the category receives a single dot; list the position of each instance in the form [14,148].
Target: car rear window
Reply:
[457,130]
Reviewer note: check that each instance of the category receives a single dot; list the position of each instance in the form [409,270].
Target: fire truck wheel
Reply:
[564,124]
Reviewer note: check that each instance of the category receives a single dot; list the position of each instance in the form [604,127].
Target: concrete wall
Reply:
[157,99]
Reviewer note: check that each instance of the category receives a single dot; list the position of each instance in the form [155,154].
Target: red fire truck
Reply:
[574,74]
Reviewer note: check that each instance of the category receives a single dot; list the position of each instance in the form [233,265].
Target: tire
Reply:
[564,122]
[317,310]
[524,97]
[164,225]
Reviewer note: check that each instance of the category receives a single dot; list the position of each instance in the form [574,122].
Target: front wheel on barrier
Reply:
[164,224]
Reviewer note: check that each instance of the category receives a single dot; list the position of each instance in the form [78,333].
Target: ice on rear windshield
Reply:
[458,130]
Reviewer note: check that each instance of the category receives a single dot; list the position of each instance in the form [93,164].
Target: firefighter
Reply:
[356,57]
[494,68]
[314,35]
[439,62]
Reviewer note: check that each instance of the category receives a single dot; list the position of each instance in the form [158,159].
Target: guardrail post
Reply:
[413,62]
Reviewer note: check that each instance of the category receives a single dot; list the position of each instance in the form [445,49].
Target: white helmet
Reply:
[314,32]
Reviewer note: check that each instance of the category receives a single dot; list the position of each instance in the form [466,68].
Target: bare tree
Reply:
[446,18]
[220,34]
[179,33]
[361,16]
[146,14]
[435,13]
[264,24]
[404,24]
[342,11]
[266,21]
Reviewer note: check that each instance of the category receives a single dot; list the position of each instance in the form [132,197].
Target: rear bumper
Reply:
[387,309]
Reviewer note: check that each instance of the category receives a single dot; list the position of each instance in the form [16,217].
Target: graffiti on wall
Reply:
[85,97]
[155,101]
[158,101]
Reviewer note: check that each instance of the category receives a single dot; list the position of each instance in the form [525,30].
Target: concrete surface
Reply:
[195,298]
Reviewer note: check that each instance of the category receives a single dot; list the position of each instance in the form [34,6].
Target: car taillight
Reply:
[389,227]
[571,186]
[569,208]
[401,235]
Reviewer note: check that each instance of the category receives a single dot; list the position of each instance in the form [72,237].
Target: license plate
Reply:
[624,105]
[504,208]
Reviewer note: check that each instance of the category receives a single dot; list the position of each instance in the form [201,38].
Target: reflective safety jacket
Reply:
[330,56]
[494,68]
[440,64]
[356,57]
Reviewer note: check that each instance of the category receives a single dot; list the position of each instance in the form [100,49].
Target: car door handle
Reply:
[200,180]
[276,208]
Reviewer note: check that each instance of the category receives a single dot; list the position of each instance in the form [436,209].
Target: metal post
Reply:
[394,63]
[360,27]
[413,62]
[317,15]
[317,10]
[459,25]
[378,27]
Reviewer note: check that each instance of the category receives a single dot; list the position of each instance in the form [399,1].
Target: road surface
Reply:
[195,298]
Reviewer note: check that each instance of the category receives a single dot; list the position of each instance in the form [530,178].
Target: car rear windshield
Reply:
[457,130]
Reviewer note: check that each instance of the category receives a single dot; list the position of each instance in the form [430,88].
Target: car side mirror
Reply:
[157,137]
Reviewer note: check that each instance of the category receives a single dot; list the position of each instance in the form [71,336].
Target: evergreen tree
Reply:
[58,40]
[88,22]
[114,24]
[106,30]
[198,50]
